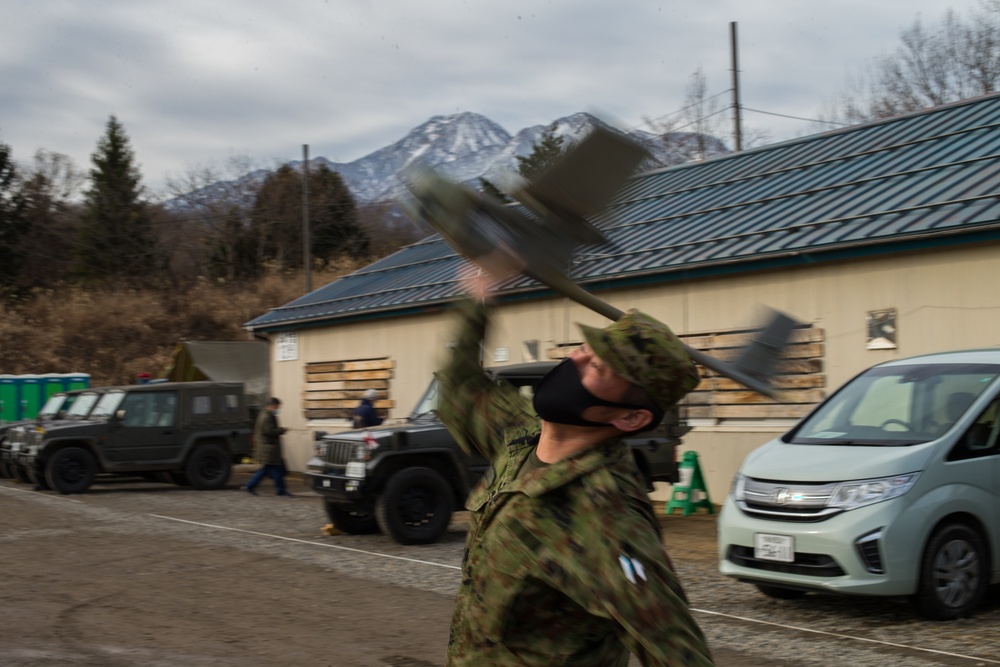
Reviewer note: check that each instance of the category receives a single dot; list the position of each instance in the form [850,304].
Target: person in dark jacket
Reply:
[267,449]
[364,415]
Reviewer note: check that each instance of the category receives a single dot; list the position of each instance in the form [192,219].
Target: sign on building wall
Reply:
[881,329]
[287,347]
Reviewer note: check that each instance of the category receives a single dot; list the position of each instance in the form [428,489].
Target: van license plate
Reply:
[774,547]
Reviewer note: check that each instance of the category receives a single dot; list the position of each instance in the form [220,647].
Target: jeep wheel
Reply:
[953,573]
[21,474]
[415,506]
[351,521]
[70,470]
[36,476]
[208,468]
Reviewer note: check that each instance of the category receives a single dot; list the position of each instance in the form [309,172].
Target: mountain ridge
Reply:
[467,146]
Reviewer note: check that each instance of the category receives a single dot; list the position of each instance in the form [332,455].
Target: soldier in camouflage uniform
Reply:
[564,563]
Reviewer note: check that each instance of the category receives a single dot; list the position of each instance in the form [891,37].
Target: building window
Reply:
[334,388]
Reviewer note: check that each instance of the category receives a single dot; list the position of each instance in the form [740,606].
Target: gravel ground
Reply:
[148,527]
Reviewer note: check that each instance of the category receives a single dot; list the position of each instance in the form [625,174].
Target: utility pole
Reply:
[306,254]
[737,132]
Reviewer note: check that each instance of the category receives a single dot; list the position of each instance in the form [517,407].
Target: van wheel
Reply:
[953,573]
[415,506]
[208,468]
[780,593]
[70,470]
[350,520]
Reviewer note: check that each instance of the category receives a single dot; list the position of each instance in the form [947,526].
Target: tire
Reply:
[351,521]
[208,468]
[21,474]
[36,476]
[779,593]
[954,573]
[70,470]
[415,507]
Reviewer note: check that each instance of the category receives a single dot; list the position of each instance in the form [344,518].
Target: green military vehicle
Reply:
[189,433]
[58,406]
[406,480]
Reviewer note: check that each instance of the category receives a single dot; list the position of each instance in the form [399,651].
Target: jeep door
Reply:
[147,428]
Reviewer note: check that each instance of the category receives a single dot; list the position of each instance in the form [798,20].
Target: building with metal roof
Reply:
[882,240]
[928,178]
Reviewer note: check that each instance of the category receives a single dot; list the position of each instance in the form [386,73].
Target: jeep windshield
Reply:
[52,406]
[892,406]
[427,403]
[107,405]
[82,405]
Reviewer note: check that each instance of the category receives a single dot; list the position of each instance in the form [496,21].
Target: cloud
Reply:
[194,82]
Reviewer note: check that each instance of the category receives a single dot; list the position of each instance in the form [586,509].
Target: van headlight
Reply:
[738,486]
[852,495]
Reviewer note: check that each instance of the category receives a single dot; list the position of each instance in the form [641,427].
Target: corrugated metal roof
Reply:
[928,175]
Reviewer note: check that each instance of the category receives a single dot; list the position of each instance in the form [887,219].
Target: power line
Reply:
[810,120]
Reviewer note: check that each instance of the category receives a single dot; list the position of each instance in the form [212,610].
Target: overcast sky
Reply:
[197,81]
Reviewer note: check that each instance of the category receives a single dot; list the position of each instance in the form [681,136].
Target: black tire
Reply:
[415,507]
[5,471]
[780,593]
[70,470]
[351,521]
[21,473]
[208,468]
[954,573]
[36,476]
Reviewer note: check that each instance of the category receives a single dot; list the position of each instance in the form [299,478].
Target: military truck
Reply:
[189,433]
[57,407]
[407,479]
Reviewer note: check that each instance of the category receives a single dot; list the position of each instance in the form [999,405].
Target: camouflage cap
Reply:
[645,352]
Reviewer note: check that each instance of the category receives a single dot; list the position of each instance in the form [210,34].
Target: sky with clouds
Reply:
[195,82]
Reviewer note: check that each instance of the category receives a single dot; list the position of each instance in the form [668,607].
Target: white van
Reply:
[891,486]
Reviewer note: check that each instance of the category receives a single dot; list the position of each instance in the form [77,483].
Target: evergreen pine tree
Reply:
[334,227]
[116,240]
[545,151]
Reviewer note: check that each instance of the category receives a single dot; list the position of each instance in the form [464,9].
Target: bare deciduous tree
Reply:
[958,59]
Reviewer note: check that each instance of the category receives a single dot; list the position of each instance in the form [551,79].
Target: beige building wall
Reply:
[945,299]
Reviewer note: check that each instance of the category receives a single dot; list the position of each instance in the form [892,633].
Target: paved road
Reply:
[147,574]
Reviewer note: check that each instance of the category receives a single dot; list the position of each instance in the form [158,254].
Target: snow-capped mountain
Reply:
[468,146]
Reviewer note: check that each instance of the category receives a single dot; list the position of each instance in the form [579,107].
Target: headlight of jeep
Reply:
[852,495]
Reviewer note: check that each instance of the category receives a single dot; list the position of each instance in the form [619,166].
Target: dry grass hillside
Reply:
[116,334]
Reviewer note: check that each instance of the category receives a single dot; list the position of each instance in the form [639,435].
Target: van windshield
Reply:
[896,405]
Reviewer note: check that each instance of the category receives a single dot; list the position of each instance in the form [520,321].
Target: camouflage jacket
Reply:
[564,565]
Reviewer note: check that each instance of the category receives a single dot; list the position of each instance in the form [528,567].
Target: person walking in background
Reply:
[364,415]
[267,449]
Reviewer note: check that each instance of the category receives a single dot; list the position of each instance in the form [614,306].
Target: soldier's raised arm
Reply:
[474,408]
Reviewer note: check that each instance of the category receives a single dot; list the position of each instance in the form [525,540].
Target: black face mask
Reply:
[561,397]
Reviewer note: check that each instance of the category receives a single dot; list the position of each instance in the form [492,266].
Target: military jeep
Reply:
[189,433]
[406,480]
